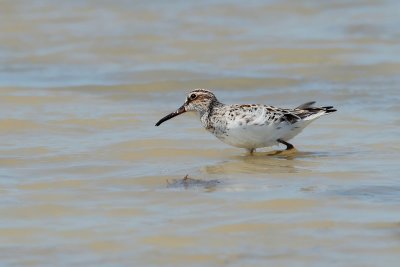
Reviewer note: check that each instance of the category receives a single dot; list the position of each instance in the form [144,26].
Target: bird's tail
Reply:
[306,111]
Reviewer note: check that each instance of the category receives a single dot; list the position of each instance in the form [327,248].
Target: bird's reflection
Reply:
[267,162]
[271,162]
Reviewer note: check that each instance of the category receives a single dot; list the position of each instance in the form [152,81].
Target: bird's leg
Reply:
[288,145]
[251,150]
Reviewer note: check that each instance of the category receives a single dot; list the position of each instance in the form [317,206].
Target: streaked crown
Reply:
[200,100]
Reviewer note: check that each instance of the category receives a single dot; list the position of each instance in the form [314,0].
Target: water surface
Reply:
[86,179]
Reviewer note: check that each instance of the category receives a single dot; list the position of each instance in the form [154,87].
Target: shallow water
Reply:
[86,179]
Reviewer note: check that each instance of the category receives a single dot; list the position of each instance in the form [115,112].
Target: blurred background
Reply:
[86,178]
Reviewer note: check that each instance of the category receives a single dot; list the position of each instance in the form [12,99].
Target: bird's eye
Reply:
[193,96]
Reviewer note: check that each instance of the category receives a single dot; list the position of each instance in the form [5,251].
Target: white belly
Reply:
[256,136]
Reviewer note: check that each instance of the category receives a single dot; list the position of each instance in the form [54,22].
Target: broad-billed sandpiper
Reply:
[249,126]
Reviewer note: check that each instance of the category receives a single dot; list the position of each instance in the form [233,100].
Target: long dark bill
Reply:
[170,116]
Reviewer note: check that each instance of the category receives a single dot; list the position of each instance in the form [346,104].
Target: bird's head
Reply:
[199,100]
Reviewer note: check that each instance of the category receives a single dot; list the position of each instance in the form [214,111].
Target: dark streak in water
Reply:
[187,182]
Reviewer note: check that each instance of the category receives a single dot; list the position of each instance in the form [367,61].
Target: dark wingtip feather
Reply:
[329,109]
[306,105]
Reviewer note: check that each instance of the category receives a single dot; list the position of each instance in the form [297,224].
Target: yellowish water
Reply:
[87,180]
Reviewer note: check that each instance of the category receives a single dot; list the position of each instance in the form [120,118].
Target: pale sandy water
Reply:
[84,171]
